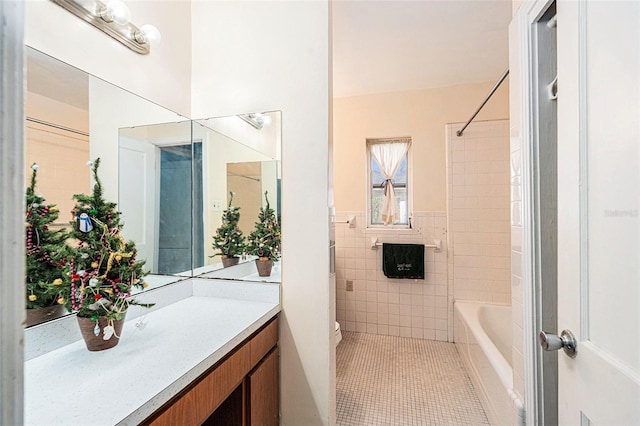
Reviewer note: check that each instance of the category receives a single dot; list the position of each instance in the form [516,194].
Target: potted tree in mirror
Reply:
[102,269]
[228,239]
[264,240]
[45,253]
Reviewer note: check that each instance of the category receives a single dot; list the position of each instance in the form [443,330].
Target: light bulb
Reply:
[260,118]
[116,11]
[148,34]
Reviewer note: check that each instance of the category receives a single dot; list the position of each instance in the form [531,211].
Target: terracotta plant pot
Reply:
[264,266]
[229,261]
[97,343]
[38,316]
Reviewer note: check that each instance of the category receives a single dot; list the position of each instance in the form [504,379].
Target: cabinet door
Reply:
[264,390]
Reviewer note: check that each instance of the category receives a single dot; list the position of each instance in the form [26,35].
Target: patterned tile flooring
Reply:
[399,381]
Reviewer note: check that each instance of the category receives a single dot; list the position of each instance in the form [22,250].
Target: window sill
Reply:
[382,229]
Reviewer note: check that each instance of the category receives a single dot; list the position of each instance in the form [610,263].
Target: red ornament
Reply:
[117,280]
[97,296]
[75,277]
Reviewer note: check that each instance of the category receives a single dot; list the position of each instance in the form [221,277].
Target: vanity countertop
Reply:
[125,384]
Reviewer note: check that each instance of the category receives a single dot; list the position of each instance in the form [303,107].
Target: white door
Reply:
[138,197]
[599,205]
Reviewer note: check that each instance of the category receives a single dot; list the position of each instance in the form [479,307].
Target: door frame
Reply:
[12,176]
[152,254]
[527,16]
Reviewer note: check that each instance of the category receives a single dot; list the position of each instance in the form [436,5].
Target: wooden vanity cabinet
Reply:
[241,389]
[264,392]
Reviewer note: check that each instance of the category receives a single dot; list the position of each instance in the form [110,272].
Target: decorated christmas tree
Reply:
[46,250]
[228,238]
[102,268]
[264,240]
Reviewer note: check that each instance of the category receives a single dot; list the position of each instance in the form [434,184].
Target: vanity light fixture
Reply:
[112,17]
[257,120]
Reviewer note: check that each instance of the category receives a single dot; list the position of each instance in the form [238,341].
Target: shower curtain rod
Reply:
[57,126]
[242,176]
[502,77]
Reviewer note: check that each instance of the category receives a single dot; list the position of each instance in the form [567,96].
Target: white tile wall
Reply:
[479,215]
[379,305]
[62,158]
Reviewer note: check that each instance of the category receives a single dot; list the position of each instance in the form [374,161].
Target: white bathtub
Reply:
[483,337]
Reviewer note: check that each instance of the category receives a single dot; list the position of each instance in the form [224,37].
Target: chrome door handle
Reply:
[553,342]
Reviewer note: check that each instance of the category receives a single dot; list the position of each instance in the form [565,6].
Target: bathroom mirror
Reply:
[170,176]
[175,184]
[156,163]
[73,117]
[240,154]
[57,130]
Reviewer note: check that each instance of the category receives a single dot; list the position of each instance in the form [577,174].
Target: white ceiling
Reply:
[395,45]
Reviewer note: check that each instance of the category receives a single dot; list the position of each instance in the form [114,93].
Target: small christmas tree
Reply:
[264,240]
[228,238]
[102,268]
[46,250]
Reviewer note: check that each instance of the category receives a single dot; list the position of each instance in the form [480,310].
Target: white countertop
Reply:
[125,384]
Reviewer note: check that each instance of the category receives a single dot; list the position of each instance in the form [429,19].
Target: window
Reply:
[388,171]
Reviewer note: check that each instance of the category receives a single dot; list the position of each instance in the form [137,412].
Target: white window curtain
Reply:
[389,156]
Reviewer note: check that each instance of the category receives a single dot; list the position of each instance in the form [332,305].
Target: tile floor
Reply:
[390,380]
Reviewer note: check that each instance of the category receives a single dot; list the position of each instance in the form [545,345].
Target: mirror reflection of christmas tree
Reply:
[264,240]
[45,253]
[102,269]
[228,238]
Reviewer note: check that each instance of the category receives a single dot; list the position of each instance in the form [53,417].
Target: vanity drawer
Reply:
[262,342]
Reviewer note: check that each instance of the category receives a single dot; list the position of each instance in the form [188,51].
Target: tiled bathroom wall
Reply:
[62,157]
[478,206]
[379,305]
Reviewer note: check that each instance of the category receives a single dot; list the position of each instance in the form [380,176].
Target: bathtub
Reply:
[482,334]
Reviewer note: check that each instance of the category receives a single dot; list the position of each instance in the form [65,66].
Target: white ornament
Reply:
[102,303]
[108,331]
[82,272]
[84,223]
[90,163]
[140,325]
[96,329]
[35,205]
[93,282]
[35,167]
[84,255]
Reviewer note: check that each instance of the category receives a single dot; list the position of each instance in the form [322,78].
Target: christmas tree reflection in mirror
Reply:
[70,114]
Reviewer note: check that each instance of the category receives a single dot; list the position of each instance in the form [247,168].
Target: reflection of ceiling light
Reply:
[257,120]
[265,120]
[113,18]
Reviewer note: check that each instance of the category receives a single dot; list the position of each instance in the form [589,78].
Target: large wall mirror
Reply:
[241,159]
[176,181]
[171,176]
